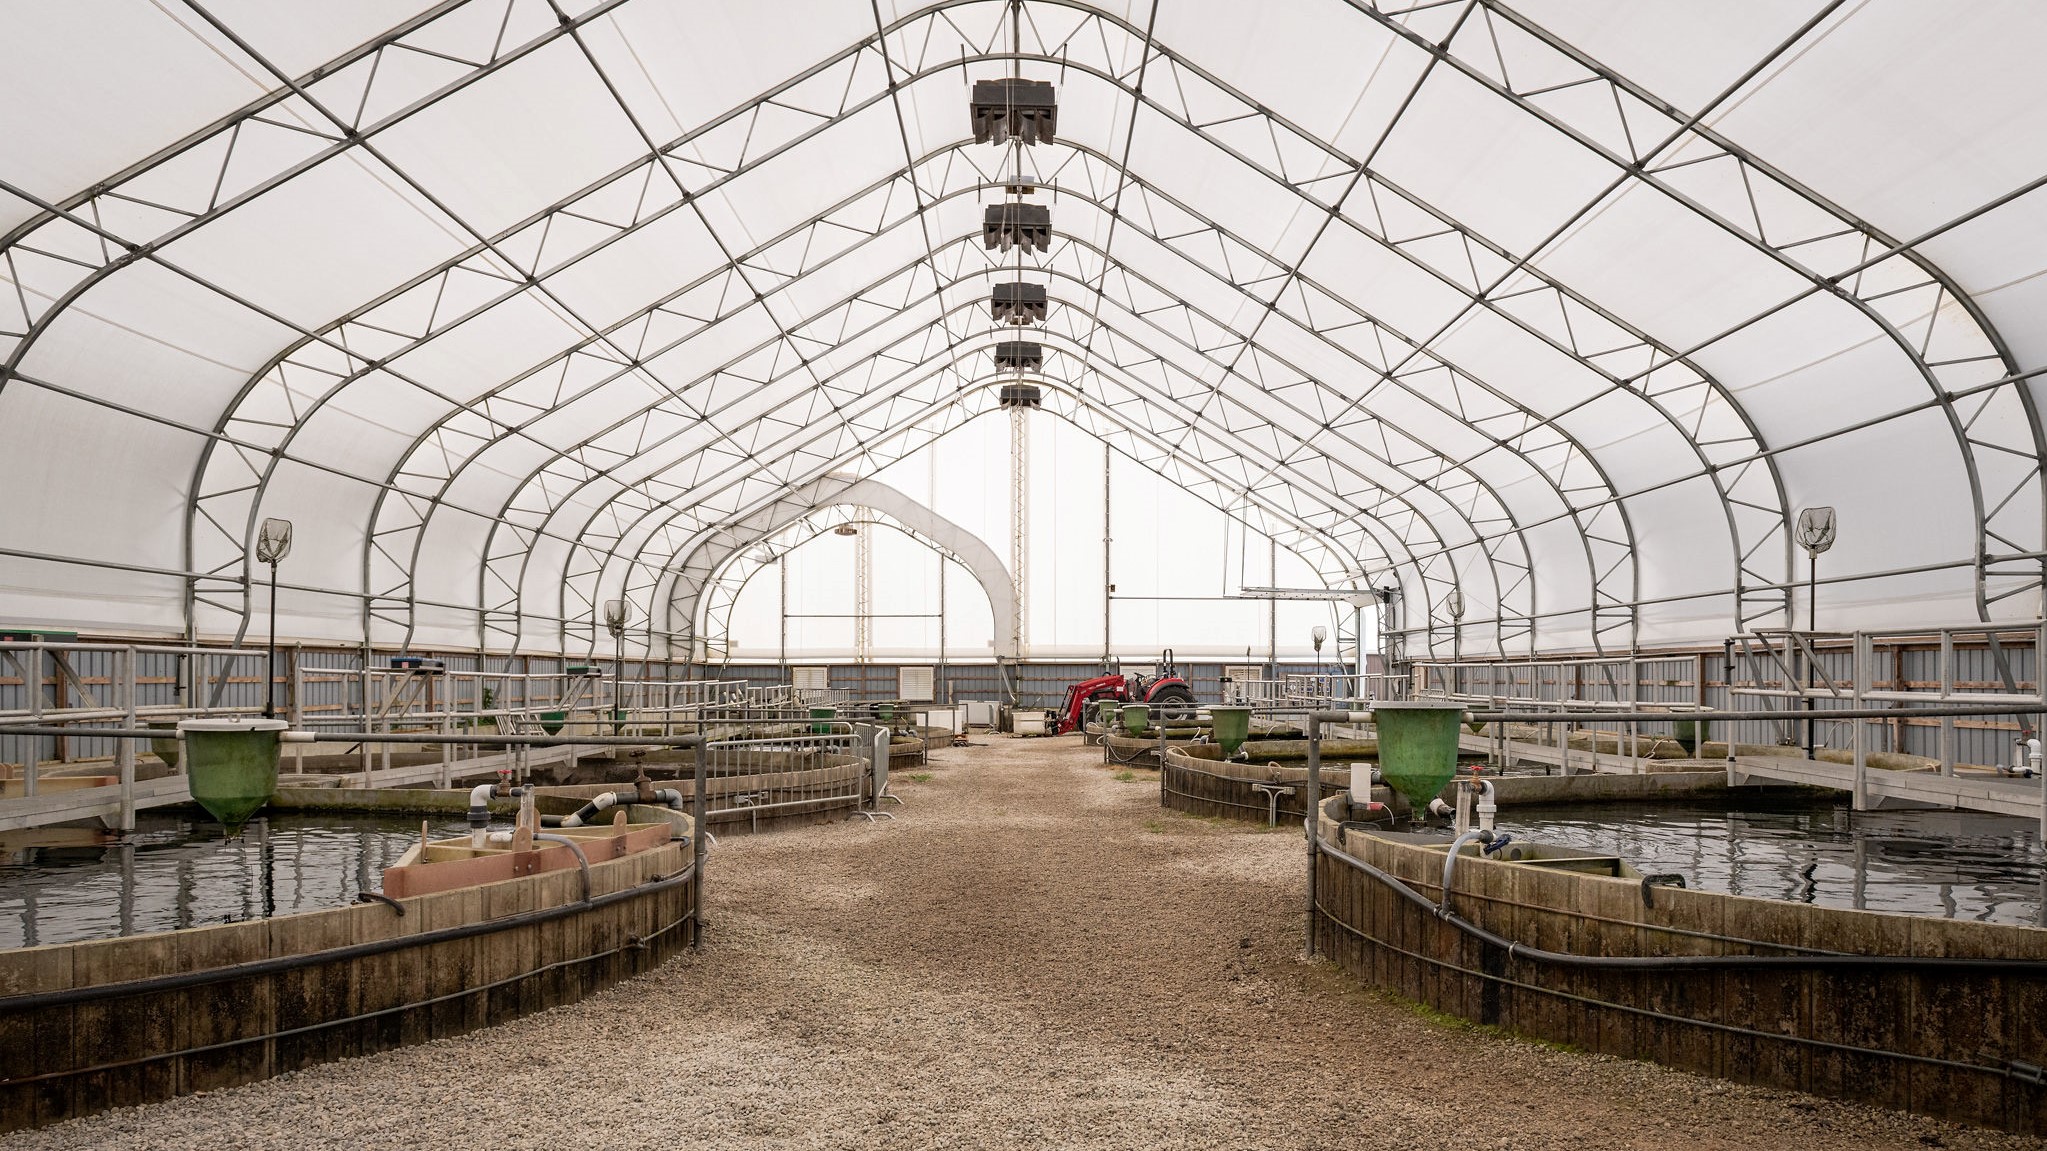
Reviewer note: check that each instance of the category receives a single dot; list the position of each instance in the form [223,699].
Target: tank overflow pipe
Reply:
[479,814]
[479,810]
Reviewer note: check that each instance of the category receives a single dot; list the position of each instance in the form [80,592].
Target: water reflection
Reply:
[1955,865]
[175,873]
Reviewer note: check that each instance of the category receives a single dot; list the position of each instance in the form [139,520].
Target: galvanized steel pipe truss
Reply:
[854,383]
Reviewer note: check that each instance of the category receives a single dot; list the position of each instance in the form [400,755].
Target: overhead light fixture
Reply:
[1020,355]
[1013,107]
[1018,303]
[1021,396]
[845,530]
[1006,226]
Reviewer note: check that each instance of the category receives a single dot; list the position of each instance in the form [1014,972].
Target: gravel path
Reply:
[1032,954]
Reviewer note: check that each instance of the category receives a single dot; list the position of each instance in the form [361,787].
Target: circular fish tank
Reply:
[176,873]
[1944,864]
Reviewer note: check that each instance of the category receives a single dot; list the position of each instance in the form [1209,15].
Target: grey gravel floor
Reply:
[1032,954]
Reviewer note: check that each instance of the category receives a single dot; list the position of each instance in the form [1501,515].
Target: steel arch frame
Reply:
[1985,559]
[707,564]
[370,594]
[236,488]
[1636,166]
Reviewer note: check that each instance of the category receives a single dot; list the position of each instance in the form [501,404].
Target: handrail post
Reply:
[1861,656]
[125,757]
[1314,813]
[699,835]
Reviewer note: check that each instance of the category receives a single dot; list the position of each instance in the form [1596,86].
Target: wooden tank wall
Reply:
[1962,1046]
[66,1059]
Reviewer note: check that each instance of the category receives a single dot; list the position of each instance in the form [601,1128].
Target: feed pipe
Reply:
[1518,950]
[666,796]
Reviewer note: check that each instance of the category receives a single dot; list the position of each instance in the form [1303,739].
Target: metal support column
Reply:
[1314,814]
[1107,588]
[1863,656]
[32,685]
[863,593]
[1019,529]
[942,684]
[1947,691]
[1272,611]
[124,758]
[699,836]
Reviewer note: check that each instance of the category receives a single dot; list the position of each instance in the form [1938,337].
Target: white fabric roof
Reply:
[1568,304]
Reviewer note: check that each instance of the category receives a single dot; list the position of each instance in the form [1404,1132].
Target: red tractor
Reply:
[1165,691]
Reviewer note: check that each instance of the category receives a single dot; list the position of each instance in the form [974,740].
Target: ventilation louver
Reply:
[1027,110]
[1021,396]
[1018,303]
[1006,226]
[1019,355]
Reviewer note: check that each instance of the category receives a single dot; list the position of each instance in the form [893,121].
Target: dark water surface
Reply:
[1954,865]
[176,873]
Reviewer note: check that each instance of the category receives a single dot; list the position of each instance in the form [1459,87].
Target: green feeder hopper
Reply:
[1136,717]
[231,766]
[885,712]
[1690,733]
[551,721]
[1232,726]
[166,746]
[1418,747]
[823,713]
[1105,712]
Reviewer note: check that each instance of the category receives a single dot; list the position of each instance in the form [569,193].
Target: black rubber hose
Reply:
[1830,962]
